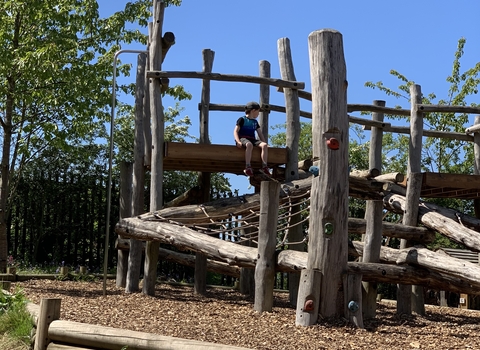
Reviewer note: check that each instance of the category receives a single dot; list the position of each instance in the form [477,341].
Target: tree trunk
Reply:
[5,172]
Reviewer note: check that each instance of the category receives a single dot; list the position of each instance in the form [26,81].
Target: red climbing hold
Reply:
[308,305]
[333,143]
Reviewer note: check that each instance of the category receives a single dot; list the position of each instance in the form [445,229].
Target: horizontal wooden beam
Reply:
[241,108]
[447,109]
[227,77]
[428,133]
[95,336]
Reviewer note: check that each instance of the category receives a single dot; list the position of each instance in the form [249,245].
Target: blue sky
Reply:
[416,38]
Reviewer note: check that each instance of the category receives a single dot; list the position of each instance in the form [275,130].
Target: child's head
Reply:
[250,106]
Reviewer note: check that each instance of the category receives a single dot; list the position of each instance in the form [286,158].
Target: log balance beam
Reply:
[216,158]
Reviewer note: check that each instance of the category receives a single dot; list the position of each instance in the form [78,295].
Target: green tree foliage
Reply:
[438,155]
[56,93]
[279,139]
[55,75]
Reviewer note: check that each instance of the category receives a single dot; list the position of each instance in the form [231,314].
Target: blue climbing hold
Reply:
[353,306]
[314,170]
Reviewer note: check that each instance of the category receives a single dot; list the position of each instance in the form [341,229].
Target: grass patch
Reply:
[16,323]
[9,343]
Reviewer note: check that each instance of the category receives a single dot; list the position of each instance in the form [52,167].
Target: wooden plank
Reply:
[223,153]
[446,192]
[460,181]
[444,185]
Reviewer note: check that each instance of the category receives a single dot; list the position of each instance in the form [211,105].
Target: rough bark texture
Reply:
[292,111]
[204,178]
[126,171]
[243,256]
[327,247]
[445,221]
[373,217]
[158,136]
[267,239]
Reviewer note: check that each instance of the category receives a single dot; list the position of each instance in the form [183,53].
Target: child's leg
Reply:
[264,155]
[248,150]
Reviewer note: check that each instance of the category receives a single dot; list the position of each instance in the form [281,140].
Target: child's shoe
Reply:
[248,171]
[265,171]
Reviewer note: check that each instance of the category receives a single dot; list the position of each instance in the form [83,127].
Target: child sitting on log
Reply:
[244,134]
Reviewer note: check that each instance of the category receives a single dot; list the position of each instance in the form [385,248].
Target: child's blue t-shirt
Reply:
[247,127]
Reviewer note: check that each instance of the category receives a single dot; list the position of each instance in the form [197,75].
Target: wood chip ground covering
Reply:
[227,317]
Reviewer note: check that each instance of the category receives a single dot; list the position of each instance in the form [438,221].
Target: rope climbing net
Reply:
[242,227]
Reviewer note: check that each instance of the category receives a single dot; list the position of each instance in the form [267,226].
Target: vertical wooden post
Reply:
[158,136]
[204,179]
[321,283]
[353,299]
[138,182]
[464,301]
[443,299]
[247,275]
[373,216]
[247,278]
[264,71]
[476,167]
[147,131]
[292,106]
[49,312]
[267,239]
[410,216]
[5,285]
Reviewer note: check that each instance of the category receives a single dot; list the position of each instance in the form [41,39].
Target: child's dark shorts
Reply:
[244,141]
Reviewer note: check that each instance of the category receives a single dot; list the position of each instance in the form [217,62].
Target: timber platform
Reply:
[216,158]
[444,185]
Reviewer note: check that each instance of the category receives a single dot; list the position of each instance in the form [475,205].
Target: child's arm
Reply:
[260,135]
[235,135]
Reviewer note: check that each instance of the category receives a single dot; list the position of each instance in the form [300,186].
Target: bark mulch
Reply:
[227,317]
